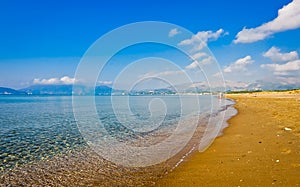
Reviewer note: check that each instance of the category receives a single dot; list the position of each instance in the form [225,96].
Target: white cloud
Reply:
[193,65]
[281,69]
[46,81]
[239,65]
[288,18]
[62,80]
[199,55]
[290,67]
[276,56]
[67,80]
[199,41]
[105,82]
[173,32]
[218,75]
[197,63]
[236,84]
[207,60]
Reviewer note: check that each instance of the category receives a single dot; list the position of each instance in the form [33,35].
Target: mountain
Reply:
[195,87]
[10,91]
[103,90]
[261,85]
[48,90]
[66,90]
[264,85]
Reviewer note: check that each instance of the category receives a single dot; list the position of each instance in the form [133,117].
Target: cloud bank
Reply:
[286,66]
[276,56]
[282,69]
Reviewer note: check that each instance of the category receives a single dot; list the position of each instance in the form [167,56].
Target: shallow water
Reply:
[41,144]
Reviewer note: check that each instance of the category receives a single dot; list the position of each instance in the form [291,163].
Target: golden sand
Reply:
[261,147]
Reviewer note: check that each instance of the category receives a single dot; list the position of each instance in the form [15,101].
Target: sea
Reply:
[53,140]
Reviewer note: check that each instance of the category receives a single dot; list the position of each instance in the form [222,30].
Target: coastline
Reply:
[82,166]
[260,147]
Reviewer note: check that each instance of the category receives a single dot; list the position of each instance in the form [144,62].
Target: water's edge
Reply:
[85,167]
[229,111]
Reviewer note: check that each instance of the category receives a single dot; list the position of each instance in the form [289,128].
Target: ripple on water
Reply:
[41,145]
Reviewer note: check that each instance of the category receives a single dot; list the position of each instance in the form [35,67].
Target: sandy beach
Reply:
[261,146]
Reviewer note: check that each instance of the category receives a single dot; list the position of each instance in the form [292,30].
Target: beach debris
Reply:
[249,152]
[274,180]
[287,129]
[277,161]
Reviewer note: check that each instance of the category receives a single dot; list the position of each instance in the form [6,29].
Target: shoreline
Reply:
[94,170]
[229,156]
[260,147]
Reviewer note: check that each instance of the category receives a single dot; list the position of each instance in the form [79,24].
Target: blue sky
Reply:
[44,40]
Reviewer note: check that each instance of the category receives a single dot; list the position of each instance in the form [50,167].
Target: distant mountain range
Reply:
[9,91]
[49,90]
[259,85]
[57,90]
[183,88]
[233,86]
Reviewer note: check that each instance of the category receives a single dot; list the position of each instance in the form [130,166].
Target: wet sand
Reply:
[261,147]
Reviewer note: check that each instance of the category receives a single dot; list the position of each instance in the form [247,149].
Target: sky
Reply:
[42,42]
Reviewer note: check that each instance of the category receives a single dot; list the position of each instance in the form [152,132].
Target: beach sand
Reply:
[261,146]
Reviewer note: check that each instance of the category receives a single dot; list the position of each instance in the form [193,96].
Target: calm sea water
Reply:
[37,128]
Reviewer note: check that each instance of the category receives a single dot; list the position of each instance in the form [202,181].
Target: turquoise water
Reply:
[37,128]
[33,128]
